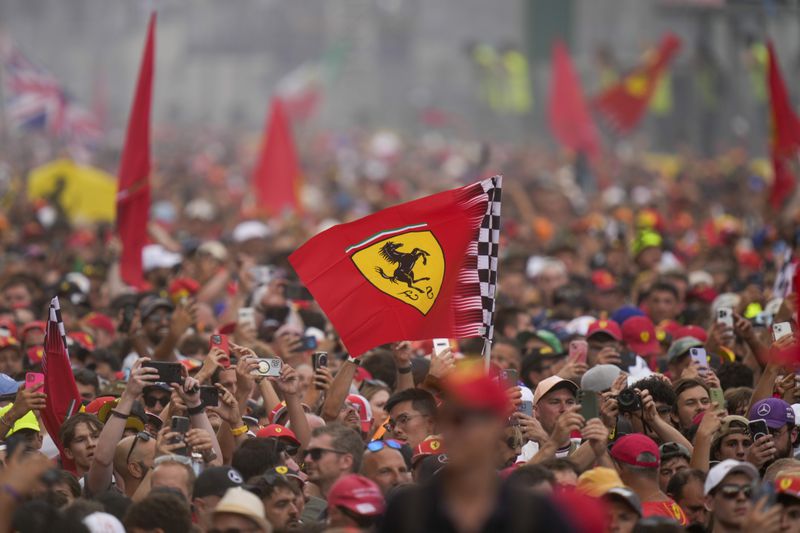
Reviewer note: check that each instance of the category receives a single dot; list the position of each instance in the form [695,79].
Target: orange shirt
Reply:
[667,508]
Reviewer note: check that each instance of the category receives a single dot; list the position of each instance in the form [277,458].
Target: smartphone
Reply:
[526,407]
[781,330]
[247,315]
[319,360]
[590,405]
[578,349]
[209,396]
[268,367]
[221,342]
[127,318]
[296,291]
[33,379]
[725,316]
[167,372]
[180,424]
[699,356]
[307,343]
[758,428]
[440,345]
[717,397]
[510,378]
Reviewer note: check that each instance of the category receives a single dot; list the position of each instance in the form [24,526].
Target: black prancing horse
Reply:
[404,272]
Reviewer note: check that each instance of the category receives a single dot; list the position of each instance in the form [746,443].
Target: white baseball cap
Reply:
[724,469]
[551,383]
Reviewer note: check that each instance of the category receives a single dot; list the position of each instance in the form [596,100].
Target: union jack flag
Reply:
[36,100]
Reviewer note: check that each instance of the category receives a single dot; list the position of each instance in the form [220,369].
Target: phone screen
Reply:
[590,406]
[758,428]
[717,397]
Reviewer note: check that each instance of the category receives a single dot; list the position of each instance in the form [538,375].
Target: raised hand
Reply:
[140,377]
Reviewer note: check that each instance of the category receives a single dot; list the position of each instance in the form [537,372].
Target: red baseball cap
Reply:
[639,334]
[630,448]
[364,409]
[604,281]
[473,389]
[99,321]
[6,342]
[609,327]
[358,495]
[667,327]
[10,325]
[691,331]
[279,432]
[430,446]
[84,340]
[35,354]
[788,484]
[94,406]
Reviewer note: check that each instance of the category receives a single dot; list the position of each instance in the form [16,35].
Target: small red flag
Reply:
[276,177]
[419,270]
[63,399]
[570,121]
[785,138]
[133,196]
[624,104]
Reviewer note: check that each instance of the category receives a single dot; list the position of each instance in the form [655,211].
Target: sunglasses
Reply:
[144,437]
[151,401]
[317,453]
[378,445]
[730,491]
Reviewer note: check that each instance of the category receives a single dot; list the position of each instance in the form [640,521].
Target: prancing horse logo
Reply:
[405,264]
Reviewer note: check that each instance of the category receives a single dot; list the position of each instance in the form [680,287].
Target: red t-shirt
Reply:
[667,508]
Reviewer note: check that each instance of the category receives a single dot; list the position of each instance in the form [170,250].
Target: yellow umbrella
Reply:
[89,193]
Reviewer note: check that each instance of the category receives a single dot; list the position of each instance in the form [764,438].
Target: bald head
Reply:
[134,464]
[387,468]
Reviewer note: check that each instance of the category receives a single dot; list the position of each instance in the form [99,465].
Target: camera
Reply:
[629,401]
[270,367]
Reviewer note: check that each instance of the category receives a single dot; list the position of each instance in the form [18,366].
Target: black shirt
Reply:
[420,508]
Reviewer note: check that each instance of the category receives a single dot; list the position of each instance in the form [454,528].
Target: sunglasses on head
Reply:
[144,437]
[151,400]
[730,491]
[378,445]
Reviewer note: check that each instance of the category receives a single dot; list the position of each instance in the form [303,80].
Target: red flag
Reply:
[624,104]
[276,177]
[785,139]
[63,399]
[420,270]
[133,196]
[570,121]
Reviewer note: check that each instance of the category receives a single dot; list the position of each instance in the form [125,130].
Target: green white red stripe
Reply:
[383,234]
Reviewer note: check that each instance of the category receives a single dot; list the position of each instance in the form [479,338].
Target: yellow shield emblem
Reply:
[406,266]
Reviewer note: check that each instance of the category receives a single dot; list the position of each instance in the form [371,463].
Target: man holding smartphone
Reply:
[780,420]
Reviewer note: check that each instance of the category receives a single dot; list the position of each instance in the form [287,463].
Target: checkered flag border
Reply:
[488,251]
[55,317]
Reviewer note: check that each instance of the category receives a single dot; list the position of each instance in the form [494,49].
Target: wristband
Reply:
[241,430]
[351,359]
[117,414]
[12,492]
[404,370]
[196,410]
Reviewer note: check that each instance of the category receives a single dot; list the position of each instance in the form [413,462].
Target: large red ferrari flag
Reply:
[419,270]
[569,117]
[785,138]
[63,399]
[624,104]
[133,195]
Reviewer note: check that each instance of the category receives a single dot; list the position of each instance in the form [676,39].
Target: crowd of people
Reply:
[639,377]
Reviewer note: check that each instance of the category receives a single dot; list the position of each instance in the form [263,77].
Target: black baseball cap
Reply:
[216,481]
[150,305]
